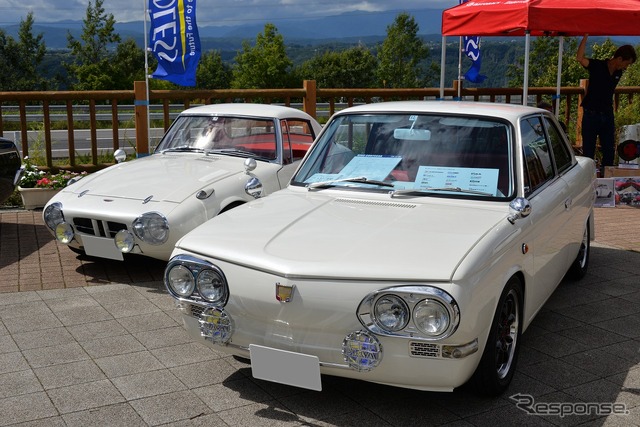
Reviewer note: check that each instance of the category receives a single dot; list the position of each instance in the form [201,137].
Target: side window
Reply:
[561,153]
[297,137]
[537,154]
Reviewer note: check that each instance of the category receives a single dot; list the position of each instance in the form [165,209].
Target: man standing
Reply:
[597,105]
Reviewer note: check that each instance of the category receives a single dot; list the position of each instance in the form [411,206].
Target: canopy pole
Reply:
[460,69]
[559,78]
[525,86]
[443,56]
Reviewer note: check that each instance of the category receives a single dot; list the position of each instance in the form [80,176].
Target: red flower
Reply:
[43,182]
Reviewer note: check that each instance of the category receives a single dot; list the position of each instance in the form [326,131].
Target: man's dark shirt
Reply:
[601,87]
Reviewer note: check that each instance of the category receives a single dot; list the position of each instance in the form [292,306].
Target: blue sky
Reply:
[211,12]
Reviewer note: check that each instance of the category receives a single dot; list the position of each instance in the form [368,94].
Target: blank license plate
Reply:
[285,367]
[101,247]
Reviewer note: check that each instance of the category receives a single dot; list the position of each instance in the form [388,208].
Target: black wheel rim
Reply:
[507,334]
[584,250]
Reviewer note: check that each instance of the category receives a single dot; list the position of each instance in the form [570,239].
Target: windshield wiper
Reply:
[358,179]
[234,152]
[425,191]
[181,148]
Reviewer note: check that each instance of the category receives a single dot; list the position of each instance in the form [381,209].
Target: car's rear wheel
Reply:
[498,363]
[580,265]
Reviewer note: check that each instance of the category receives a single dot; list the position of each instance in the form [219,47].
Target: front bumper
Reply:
[403,362]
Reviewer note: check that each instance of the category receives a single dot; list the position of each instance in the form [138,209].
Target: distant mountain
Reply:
[351,25]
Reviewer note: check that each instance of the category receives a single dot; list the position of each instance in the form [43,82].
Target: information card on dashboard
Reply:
[485,180]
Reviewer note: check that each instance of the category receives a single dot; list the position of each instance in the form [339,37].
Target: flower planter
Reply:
[34,198]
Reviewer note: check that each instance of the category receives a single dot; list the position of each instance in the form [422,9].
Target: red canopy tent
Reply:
[540,18]
[543,18]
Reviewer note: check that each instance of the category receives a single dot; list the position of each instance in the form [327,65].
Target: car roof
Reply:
[493,109]
[247,109]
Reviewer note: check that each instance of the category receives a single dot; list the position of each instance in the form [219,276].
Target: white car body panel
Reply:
[168,181]
[335,245]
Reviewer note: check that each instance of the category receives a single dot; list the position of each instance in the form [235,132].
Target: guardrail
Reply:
[63,124]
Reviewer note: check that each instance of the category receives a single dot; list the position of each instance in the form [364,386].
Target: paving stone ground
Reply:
[87,342]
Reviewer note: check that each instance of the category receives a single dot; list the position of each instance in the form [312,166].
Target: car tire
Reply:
[242,359]
[580,265]
[498,363]
[76,250]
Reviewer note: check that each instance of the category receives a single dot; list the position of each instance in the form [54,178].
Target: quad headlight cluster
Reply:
[418,312]
[150,227]
[191,278]
[54,218]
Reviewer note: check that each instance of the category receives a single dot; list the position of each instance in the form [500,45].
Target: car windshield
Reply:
[413,155]
[239,136]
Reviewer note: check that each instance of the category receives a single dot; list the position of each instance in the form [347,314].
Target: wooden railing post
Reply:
[309,100]
[142,121]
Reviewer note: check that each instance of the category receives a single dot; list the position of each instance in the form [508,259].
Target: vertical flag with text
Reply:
[174,40]
[472,51]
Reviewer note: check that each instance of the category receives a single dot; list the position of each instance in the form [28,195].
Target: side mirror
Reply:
[249,165]
[120,155]
[519,208]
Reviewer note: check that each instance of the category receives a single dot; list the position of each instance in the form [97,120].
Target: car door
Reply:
[550,210]
[571,173]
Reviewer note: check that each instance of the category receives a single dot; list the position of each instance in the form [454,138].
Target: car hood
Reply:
[170,177]
[313,235]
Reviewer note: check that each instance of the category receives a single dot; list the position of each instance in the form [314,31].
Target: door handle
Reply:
[567,203]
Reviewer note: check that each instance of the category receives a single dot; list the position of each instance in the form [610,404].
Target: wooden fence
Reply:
[21,112]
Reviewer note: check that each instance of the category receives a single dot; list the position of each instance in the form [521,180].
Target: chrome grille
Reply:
[196,310]
[423,349]
[96,227]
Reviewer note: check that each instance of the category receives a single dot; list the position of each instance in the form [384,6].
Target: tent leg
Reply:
[525,85]
[443,57]
[559,77]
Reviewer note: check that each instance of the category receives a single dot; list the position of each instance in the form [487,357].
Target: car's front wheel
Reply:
[498,363]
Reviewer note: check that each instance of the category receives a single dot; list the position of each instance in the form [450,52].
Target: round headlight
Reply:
[431,317]
[211,286]
[181,280]
[64,232]
[53,215]
[151,228]
[391,313]
[124,241]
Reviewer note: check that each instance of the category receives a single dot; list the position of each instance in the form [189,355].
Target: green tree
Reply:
[92,67]
[127,66]
[20,61]
[351,68]
[264,65]
[212,72]
[543,64]
[402,55]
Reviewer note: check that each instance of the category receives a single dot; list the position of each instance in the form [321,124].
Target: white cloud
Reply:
[209,12]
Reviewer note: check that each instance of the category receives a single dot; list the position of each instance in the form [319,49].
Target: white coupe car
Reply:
[212,158]
[413,246]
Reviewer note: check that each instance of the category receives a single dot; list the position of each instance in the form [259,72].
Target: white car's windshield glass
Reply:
[413,155]
[217,134]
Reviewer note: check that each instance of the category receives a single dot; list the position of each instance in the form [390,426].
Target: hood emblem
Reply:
[284,293]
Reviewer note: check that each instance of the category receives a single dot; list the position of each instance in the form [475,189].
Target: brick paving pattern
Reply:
[87,342]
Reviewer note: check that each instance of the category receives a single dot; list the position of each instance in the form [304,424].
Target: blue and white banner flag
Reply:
[472,51]
[174,40]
